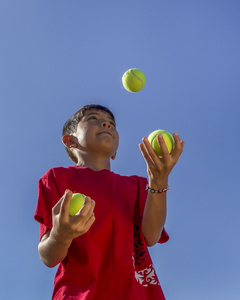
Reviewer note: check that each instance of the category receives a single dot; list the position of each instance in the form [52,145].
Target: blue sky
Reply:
[56,56]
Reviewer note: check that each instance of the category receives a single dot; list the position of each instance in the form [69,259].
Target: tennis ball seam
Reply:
[137,78]
[167,134]
[156,134]
[154,138]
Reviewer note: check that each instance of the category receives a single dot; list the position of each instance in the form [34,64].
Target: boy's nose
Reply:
[106,124]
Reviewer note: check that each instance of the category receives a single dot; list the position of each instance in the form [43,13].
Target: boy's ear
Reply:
[69,141]
[114,156]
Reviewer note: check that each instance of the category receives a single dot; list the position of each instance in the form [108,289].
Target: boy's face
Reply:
[97,134]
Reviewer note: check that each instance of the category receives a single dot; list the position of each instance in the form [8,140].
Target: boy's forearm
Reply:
[52,250]
[154,217]
[158,169]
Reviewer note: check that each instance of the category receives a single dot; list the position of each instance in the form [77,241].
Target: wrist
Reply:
[157,191]
[59,238]
[158,185]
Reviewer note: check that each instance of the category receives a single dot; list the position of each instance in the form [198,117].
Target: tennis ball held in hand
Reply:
[168,138]
[133,80]
[76,203]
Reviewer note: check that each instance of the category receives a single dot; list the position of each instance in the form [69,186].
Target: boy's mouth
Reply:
[106,132]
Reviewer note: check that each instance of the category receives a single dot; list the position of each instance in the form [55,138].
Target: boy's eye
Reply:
[95,118]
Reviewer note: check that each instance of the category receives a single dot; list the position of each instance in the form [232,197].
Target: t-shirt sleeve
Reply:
[48,196]
[142,196]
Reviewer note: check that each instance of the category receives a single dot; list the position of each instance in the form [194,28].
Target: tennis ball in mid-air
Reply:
[76,203]
[168,138]
[133,80]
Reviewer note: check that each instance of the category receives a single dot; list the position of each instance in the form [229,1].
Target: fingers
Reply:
[178,149]
[58,206]
[87,210]
[143,149]
[85,217]
[147,149]
[60,210]
[73,226]
[148,152]
[163,146]
[165,163]
[62,206]
[64,210]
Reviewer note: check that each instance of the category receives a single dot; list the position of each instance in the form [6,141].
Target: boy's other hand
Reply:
[159,168]
[67,227]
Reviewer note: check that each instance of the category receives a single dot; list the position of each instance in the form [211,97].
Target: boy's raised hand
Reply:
[159,168]
[67,227]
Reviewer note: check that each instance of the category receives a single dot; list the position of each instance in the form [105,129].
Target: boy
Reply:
[102,250]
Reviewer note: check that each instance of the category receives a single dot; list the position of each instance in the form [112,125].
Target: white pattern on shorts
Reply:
[147,276]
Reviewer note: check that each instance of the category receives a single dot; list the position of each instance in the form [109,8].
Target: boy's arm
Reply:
[52,251]
[54,245]
[158,169]
[154,217]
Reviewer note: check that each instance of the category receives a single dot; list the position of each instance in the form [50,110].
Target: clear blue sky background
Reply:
[56,56]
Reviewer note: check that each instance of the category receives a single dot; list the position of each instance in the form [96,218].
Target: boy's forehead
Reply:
[98,112]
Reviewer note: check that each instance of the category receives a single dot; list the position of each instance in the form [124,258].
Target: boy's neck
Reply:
[94,163]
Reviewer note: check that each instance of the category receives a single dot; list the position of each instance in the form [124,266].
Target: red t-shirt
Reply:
[111,261]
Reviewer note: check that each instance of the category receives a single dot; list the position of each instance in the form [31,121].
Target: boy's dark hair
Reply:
[70,126]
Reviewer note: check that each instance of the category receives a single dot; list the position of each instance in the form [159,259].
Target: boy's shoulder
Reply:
[55,170]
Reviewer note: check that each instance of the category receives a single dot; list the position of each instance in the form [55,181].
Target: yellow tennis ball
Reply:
[76,203]
[133,80]
[168,138]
